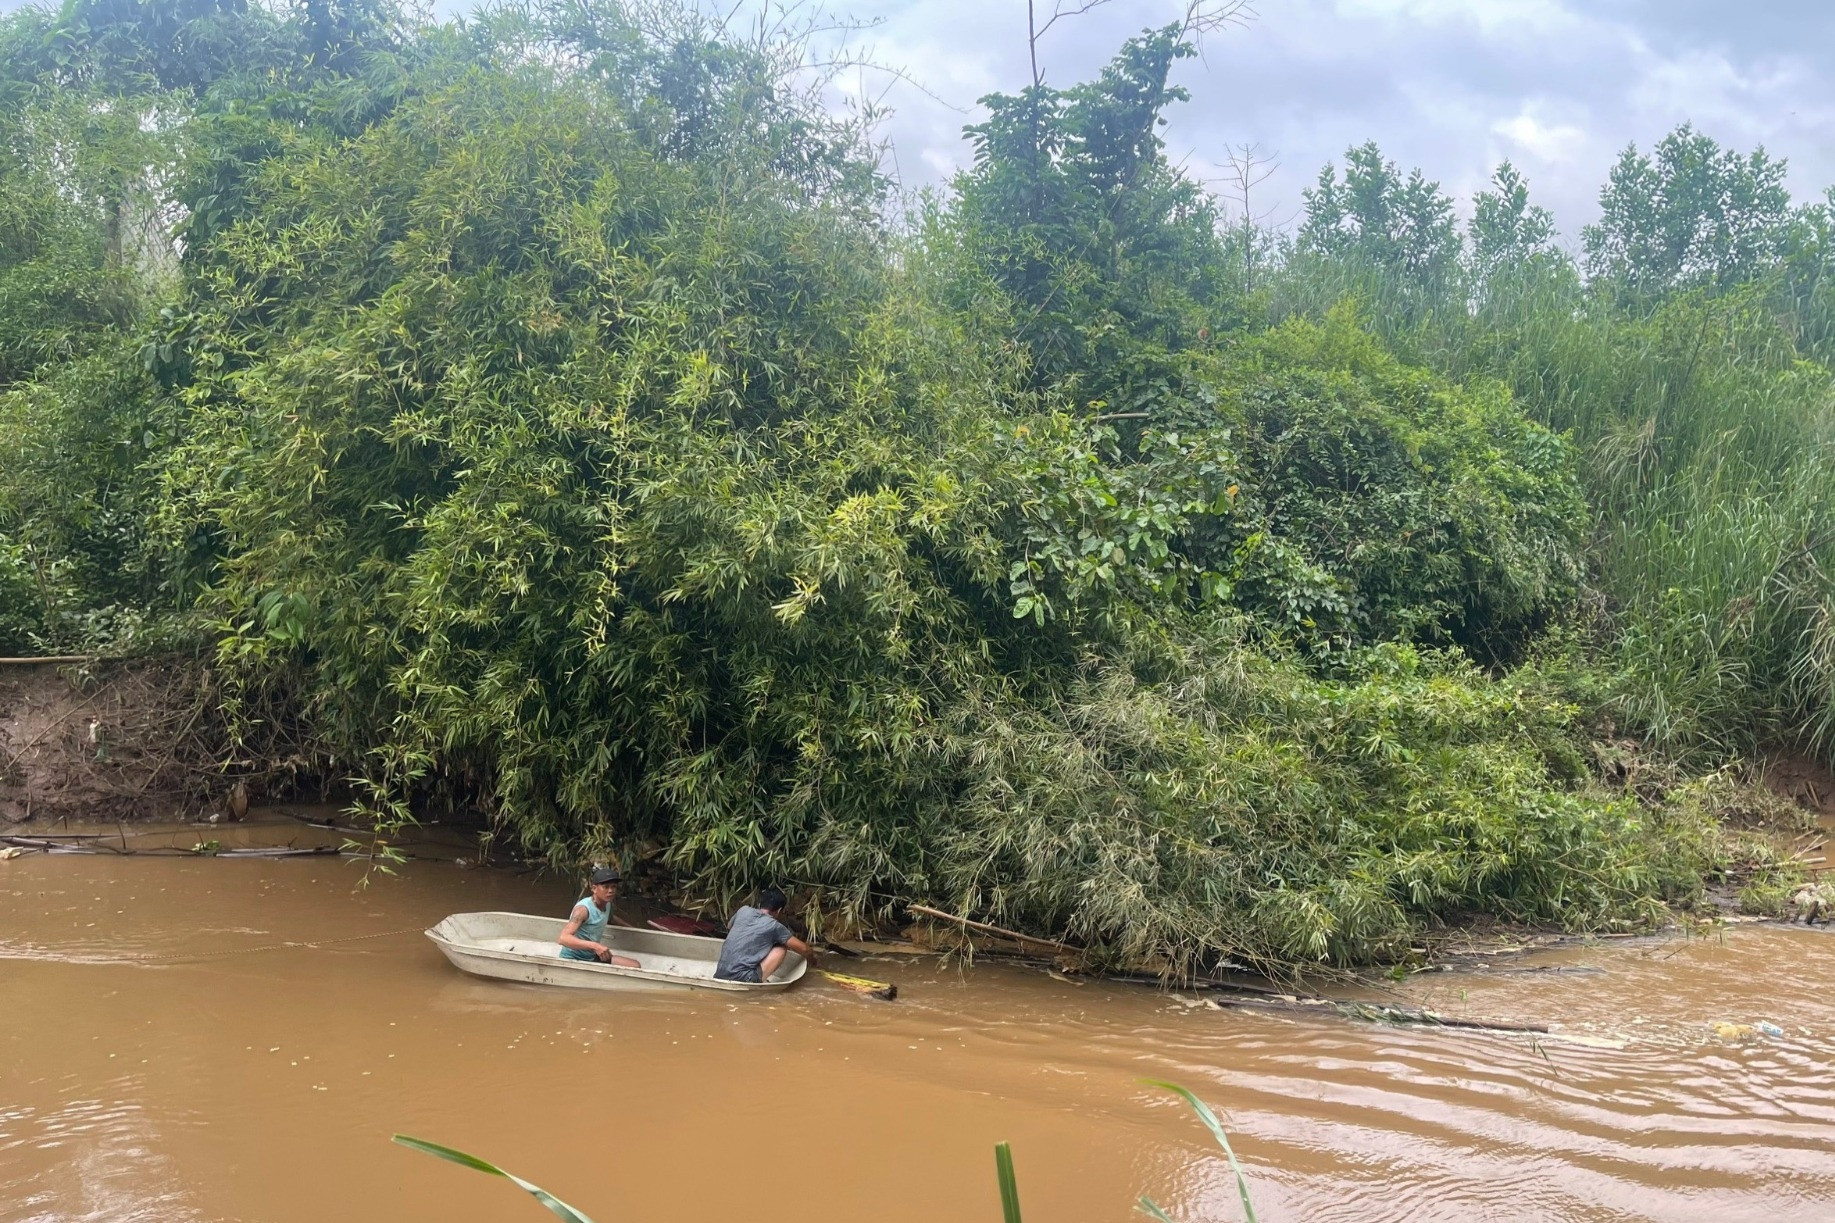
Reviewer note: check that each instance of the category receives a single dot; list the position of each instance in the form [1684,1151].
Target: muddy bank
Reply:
[149,740]
[131,741]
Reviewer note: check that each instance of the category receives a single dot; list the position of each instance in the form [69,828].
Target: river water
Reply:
[264,1084]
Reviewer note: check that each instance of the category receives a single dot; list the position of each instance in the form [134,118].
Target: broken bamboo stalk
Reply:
[885,991]
[989,928]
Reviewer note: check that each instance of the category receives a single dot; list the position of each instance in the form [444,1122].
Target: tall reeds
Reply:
[1706,431]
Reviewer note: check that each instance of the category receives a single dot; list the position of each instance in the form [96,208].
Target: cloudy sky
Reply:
[1452,86]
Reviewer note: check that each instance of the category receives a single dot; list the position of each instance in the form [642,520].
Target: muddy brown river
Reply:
[224,1083]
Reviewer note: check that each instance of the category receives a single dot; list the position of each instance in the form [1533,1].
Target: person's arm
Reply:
[570,935]
[801,948]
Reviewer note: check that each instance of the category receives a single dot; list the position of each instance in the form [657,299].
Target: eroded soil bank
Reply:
[97,740]
[225,1083]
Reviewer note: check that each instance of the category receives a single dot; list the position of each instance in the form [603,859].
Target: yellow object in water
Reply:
[1735,1031]
[883,990]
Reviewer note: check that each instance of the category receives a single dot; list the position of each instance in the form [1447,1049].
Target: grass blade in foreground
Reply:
[1009,1186]
[1216,1128]
[560,1209]
[1150,1207]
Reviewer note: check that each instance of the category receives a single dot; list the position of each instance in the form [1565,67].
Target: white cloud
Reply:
[1549,143]
[1516,18]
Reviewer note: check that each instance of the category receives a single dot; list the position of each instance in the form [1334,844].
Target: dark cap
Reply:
[605,874]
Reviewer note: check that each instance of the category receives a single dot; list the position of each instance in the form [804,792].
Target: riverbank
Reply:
[137,743]
[99,739]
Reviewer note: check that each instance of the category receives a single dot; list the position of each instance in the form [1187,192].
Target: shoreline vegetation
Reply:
[554,415]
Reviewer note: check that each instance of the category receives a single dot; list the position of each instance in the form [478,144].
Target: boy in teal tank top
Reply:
[583,937]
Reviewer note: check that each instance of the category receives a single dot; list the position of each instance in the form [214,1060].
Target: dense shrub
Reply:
[549,403]
[640,497]
[82,263]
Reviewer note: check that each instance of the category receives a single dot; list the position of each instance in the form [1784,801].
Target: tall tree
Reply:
[1402,227]
[1506,229]
[1109,254]
[1695,214]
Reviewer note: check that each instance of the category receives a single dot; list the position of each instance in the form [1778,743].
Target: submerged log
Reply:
[1378,1013]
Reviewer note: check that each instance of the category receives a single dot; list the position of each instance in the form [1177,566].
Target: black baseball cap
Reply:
[605,874]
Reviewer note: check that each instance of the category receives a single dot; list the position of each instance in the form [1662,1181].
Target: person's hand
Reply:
[604,953]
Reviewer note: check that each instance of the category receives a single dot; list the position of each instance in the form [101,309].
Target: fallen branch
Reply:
[987,928]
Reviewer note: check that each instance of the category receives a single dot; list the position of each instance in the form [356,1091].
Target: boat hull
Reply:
[522,947]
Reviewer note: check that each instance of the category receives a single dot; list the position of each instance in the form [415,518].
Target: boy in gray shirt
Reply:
[756,941]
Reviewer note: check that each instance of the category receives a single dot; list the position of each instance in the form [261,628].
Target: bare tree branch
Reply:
[1249,166]
[1209,16]
[1201,17]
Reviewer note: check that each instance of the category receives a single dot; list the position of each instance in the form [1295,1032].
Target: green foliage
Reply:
[1438,511]
[1510,242]
[1401,227]
[1319,484]
[1009,1186]
[63,278]
[1687,375]
[1109,255]
[1242,804]
[1696,215]
[638,495]
[77,569]
[548,402]
[559,1209]
[647,492]
[135,48]
[83,259]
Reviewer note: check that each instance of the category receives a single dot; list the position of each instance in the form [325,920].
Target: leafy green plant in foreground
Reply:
[560,1210]
[1223,1140]
[1009,1183]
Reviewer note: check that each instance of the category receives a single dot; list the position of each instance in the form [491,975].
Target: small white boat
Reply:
[522,947]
